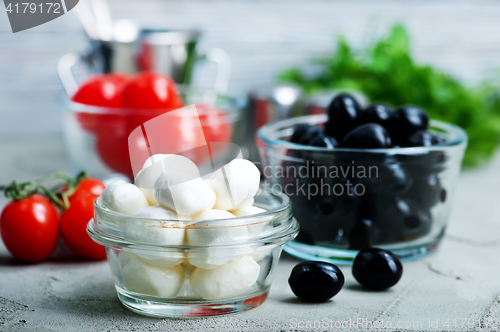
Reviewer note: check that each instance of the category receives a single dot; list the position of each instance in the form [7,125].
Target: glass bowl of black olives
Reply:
[361,177]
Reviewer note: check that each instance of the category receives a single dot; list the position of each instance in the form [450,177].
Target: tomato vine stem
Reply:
[17,191]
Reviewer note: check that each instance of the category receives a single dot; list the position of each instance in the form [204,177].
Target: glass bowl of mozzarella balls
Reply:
[187,245]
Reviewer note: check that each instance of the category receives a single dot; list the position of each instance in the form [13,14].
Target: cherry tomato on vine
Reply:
[74,228]
[30,228]
[88,186]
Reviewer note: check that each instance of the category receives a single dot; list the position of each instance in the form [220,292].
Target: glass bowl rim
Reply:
[274,239]
[291,228]
[264,134]
[150,34]
[235,104]
[285,204]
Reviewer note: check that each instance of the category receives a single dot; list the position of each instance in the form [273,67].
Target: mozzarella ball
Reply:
[123,258]
[214,233]
[154,159]
[213,214]
[255,225]
[186,198]
[160,213]
[178,169]
[150,172]
[143,278]
[259,253]
[225,281]
[148,193]
[247,202]
[157,232]
[188,268]
[123,197]
[114,262]
[247,211]
[235,184]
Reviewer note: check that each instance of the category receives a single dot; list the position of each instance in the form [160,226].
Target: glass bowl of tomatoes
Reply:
[104,111]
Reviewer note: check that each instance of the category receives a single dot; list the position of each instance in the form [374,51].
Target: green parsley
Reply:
[386,71]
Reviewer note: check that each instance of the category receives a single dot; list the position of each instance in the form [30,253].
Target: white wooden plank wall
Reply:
[262,38]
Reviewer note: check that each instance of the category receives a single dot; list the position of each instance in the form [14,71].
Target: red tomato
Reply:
[145,58]
[150,94]
[93,122]
[113,148]
[149,90]
[30,228]
[145,96]
[102,90]
[74,228]
[215,125]
[88,186]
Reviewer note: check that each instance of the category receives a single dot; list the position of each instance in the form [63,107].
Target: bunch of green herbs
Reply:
[386,72]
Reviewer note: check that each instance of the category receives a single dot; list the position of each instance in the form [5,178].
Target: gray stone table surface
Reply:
[460,283]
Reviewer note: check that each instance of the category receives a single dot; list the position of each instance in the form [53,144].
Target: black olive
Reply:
[326,216]
[376,113]
[359,237]
[368,136]
[423,138]
[400,220]
[316,281]
[299,132]
[423,164]
[405,121]
[442,195]
[426,191]
[342,116]
[377,269]
[304,237]
[310,135]
[387,179]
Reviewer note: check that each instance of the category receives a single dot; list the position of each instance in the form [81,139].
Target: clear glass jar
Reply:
[228,269]
[347,199]
[97,137]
